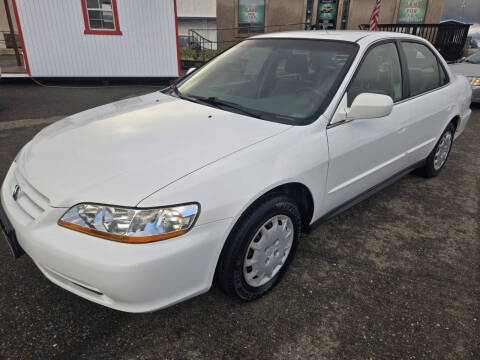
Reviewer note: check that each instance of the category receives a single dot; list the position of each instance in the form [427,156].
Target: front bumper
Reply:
[127,277]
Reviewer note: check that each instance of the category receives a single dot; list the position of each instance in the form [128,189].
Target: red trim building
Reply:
[104,31]
[99,38]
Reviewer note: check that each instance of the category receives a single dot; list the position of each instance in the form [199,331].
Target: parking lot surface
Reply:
[395,277]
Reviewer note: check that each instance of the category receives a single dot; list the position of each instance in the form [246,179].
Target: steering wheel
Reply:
[309,89]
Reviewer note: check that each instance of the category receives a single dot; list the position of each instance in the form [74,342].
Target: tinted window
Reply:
[284,79]
[423,71]
[379,73]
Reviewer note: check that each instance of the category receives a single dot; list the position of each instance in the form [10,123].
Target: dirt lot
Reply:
[395,277]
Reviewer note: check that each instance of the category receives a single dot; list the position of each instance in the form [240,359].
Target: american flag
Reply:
[374,18]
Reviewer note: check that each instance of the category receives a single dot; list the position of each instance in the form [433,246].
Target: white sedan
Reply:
[140,204]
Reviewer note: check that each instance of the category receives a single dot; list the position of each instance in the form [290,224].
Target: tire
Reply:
[435,163]
[233,275]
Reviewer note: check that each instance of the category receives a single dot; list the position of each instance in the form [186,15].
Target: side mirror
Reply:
[370,106]
[189,71]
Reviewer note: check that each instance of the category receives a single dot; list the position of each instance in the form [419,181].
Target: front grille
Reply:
[30,201]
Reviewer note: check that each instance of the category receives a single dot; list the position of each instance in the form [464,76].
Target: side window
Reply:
[379,73]
[423,71]
[100,17]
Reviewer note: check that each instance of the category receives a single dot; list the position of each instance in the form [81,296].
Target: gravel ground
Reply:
[395,277]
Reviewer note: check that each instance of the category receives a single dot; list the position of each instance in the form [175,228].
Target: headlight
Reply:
[474,81]
[129,224]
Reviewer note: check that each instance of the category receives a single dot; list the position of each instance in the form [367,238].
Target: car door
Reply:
[429,99]
[364,152]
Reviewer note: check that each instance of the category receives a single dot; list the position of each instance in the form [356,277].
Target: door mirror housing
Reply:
[370,106]
[189,71]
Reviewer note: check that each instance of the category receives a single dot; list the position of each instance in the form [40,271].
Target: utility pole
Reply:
[12,32]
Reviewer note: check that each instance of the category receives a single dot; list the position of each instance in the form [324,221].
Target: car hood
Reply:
[466,69]
[122,152]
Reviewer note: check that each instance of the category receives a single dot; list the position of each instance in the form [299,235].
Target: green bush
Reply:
[206,54]
[187,54]
[191,54]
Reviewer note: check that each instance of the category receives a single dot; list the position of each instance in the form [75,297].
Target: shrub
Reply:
[192,54]
[187,54]
[206,54]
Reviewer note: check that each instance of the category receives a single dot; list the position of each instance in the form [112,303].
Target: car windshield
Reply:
[285,80]
[474,59]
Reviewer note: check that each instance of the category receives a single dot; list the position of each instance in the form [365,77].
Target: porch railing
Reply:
[197,38]
[449,38]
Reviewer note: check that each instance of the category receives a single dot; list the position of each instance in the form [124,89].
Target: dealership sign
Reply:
[412,11]
[327,12]
[251,11]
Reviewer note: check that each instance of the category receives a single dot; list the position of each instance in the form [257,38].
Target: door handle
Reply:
[401,130]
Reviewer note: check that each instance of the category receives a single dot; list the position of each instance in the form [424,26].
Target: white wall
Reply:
[56,45]
[197,8]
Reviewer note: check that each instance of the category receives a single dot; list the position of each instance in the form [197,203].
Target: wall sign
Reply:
[327,11]
[412,11]
[326,14]
[251,11]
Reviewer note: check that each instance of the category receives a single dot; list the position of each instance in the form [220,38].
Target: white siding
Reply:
[56,45]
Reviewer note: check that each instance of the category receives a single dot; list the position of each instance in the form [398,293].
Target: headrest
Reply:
[297,64]
[321,60]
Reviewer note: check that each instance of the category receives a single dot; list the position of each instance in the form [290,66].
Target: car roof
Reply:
[340,35]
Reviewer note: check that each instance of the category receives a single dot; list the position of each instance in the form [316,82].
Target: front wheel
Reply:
[439,155]
[259,250]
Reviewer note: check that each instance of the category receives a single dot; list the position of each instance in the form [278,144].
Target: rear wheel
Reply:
[439,155]
[260,248]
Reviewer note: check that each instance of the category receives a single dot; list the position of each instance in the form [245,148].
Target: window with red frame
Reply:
[101,17]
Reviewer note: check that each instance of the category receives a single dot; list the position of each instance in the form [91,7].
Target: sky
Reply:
[452,10]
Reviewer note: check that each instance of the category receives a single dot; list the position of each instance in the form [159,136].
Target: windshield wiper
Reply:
[181,95]
[217,103]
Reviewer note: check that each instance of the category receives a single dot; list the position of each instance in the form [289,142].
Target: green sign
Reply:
[327,12]
[251,11]
[412,11]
